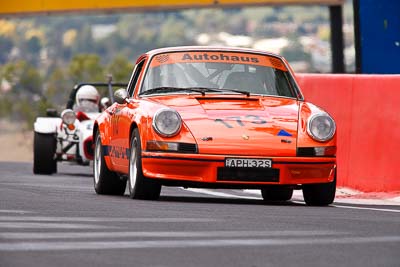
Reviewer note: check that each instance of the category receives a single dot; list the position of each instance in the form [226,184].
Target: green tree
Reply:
[24,78]
[5,106]
[84,40]
[25,94]
[172,33]
[212,20]
[86,68]
[120,69]
[6,44]
[295,52]
[33,46]
[58,87]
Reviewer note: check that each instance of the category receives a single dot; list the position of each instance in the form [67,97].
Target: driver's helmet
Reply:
[87,99]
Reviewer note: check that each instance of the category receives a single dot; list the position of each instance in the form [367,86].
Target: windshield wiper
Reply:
[164,89]
[232,90]
[201,90]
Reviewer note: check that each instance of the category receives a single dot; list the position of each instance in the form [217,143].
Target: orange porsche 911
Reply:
[214,117]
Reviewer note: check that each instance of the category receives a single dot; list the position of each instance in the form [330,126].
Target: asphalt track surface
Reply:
[58,220]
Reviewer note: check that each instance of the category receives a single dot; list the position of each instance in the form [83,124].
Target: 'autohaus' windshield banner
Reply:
[218,57]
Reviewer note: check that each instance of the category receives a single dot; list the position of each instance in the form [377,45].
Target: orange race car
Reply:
[214,117]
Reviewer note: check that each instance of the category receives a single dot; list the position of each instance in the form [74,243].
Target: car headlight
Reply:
[68,116]
[321,127]
[167,122]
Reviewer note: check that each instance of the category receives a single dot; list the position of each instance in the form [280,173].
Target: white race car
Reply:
[69,137]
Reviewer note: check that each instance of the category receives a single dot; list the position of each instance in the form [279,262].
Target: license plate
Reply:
[247,163]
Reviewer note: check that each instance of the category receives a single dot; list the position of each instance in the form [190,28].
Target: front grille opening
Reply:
[305,152]
[187,148]
[248,174]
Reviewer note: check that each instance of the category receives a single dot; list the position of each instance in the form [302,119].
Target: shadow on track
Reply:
[216,200]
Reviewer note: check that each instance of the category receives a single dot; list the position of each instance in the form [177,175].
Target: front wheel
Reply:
[140,187]
[106,182]
[44,148]
[320,194]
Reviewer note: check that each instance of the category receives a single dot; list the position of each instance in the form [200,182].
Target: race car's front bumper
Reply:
[212,169]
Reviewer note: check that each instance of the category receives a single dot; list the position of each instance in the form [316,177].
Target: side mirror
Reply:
[121,96]
[105,103]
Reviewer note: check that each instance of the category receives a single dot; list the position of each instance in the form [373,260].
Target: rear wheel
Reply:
[106,182]
[139,186]
[44,148]
[277,193]
[319,194]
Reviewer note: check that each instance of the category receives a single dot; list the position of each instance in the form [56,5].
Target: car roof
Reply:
[208,48]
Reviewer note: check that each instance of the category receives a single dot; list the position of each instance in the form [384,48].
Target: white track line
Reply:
[219,194]
[364,208]
[99,219]
[178,234]
[207,243]
[35,225]
[15,211]
[298,199]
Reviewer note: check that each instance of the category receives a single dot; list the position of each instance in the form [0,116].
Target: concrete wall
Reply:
[367,112]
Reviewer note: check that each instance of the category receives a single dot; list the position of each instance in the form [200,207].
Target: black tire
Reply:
[106,182]
[140,187]
[277,193]
[319,194]
[44,148]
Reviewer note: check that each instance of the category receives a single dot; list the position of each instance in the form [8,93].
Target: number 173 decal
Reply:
[240,120]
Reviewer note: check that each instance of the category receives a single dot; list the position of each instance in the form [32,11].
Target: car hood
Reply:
[253,126]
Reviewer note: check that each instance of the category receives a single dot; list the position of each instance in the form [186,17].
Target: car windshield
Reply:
[236,72]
